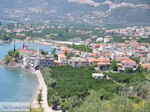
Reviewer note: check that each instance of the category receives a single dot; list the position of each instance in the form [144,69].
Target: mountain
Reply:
[122,12]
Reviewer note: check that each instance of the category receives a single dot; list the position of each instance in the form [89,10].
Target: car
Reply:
[56,107]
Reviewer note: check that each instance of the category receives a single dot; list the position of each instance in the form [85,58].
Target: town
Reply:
[81,62]
[101,52]
[124,57]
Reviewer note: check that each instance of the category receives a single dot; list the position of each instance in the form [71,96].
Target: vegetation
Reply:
[70,87]
[36,110]
[133,95]
[53,51]
[68,55]
[76,91]
[39,98]
[136,59]
[119,104]
[65,33]
[82,48]
[44,52]
[114,65]
[5,36]
[11,55]
[7,59]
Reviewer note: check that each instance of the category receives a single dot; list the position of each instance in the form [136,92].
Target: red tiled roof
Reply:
[98,44]
[146,66]
[91,58]
[32,50]
[104,63]
[107,54]
[93,54]
[103,59]
[83,60]
[61,53]
[128,61]
[61,56]
[134,43]
[122,58]
[56,62]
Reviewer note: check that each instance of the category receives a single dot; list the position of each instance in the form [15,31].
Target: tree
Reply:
[44,52]
[7,59]
[136,59]
[56,56]
[139,68]
[14,48]
[114,65]
[53,51]
[13,54]
[81,47]
[16,54]
[5,36]
[129,70]
[39,97]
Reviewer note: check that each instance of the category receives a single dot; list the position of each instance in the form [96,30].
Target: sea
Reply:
[17,85]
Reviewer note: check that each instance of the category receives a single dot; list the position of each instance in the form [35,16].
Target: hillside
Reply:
[76,91]
[135,12]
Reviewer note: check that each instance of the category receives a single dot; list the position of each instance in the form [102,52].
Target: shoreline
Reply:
[33,100]
[41,85]
[41,82]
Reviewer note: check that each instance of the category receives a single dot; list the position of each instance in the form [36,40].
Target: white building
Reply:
[98,75]
[106,40]
[74,62]
[62,59]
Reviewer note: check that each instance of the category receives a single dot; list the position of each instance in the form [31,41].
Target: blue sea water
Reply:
[17,85]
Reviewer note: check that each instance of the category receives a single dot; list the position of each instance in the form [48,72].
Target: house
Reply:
[74,62]
[85,54]
[120,59]
[21,34]
[26,61]
[30,61]
[62,59]
[98,75]
[28,38]
[106,40]
[129,64]
[36,61]
[92,60]
[103,63]
[93,54]
[84,62]
[146,66]
[44,62]
[100,39]
[97,45]
[57,63]
[28,52]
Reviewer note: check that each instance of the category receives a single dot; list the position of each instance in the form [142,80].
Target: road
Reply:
[44,93]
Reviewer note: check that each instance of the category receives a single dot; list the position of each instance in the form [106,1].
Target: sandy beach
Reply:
[43,87]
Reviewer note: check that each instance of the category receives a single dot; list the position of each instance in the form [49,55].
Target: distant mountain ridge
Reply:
[124,12]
